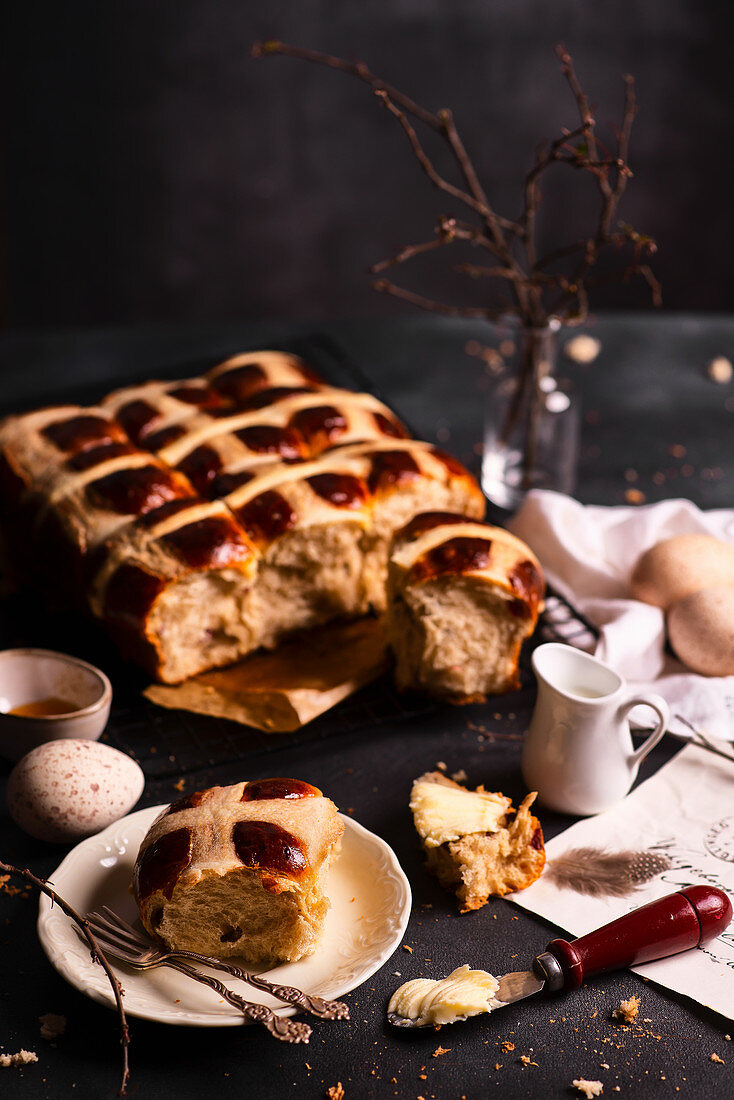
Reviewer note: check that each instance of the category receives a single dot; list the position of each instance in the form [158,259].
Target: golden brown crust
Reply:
[237,474]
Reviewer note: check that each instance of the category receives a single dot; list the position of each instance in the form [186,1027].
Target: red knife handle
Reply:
[663,927]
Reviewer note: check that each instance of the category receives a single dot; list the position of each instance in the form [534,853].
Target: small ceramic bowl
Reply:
[39,682]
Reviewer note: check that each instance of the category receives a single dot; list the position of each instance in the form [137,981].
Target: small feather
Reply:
[598,873]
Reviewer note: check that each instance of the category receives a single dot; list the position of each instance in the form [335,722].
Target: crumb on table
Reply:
[590,1089]
[22,1058]
[582,349]
[335,1092]
[720,370]
[627,1011]
[715,1058]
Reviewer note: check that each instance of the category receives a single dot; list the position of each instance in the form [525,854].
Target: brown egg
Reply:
[677,567]
[701,631]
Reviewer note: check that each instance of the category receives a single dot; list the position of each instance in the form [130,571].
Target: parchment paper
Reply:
[685,811]
[282,690]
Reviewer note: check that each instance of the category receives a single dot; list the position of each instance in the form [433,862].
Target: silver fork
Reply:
[289,1031]
[121,935]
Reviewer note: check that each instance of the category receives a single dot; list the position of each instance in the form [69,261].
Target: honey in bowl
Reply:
[51,707]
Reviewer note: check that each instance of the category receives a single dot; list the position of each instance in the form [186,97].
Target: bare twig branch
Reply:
[408,252]
[98,956]
[477,271]
[423,158]
[384,286]
[538,294]
[354,68]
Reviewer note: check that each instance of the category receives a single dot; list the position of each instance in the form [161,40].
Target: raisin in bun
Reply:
[240,871]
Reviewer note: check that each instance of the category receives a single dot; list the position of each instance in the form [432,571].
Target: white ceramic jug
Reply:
[578,753]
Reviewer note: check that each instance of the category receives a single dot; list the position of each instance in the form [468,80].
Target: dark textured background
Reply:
[151,170]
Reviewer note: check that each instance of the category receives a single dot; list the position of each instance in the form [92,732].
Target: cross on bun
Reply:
[462,597]
[240,870]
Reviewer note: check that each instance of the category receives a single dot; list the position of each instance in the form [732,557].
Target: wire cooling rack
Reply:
[172,743]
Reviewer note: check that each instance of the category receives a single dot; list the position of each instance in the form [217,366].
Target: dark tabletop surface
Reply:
[654,423]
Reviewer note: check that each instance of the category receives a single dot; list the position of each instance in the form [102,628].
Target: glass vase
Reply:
[531,423]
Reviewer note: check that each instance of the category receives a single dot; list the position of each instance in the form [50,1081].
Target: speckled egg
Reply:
[65,790]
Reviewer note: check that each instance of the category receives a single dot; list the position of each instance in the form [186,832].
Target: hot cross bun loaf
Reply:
[461,598]
[240,871]
[201,519]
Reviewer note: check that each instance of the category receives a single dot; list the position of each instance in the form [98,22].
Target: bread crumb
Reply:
[22,1058]
[627,1011]
[8,888]
[634,496]
[408,949]
[439,1051]
[498,1065]
[52,1025]
[460,776]
[604,1065]
[720,370]
[507,1046]
[442,767]
[715,1058]
[179,784]
[728,1038]
[335,1092]
[526,1060]
[582,349]
[590,1089]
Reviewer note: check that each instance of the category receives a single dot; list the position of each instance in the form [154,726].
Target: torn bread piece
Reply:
[474,842]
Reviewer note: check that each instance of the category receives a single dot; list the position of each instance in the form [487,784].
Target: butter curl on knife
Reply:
[465,992]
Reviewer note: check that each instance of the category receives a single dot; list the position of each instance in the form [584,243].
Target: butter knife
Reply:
[661,928]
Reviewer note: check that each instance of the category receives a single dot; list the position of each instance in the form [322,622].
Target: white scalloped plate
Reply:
[370,906]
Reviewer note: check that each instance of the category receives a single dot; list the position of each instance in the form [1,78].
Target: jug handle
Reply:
[658,704]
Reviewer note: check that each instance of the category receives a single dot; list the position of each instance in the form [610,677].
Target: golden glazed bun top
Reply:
[435,544]
[283,829]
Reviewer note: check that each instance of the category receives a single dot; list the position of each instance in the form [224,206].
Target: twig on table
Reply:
[703,741]
[98,956]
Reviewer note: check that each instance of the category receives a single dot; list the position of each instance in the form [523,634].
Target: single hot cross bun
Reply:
[462,597]
[240,870]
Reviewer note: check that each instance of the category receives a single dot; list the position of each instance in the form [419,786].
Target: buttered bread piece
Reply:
[462,994]
[240,870]
[461,598]
[474,842]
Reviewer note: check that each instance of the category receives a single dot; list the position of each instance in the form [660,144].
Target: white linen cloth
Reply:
[588,553]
